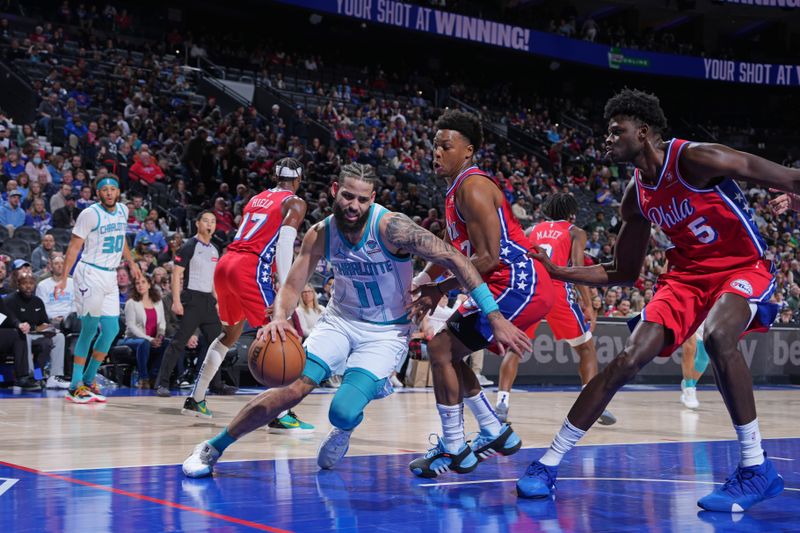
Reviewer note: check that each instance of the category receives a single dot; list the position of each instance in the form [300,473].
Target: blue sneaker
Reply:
[744,488]
[439,460]
[539,481]
[505,443]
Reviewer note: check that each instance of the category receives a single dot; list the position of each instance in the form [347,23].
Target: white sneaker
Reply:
[57,382]
[501,409]
[333,447]
[201,462]
[689,397]
[396,383]
[483,380]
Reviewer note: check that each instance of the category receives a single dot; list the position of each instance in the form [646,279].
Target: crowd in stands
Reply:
[137,114]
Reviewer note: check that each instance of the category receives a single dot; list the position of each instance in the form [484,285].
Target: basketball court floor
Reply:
[116,467]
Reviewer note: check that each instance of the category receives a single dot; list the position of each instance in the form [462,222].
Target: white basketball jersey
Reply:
[370,283]
[103,234]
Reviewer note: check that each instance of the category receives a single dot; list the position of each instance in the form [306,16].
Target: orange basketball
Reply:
[275,364]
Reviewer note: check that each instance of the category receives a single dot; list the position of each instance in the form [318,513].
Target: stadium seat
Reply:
[16,248]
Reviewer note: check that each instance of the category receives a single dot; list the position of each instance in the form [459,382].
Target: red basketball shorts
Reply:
[524,299]
[683,300]
[566,319]
[244,289]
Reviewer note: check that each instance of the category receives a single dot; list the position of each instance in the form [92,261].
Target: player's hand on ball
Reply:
[507,336]
[424,300]
[276,329]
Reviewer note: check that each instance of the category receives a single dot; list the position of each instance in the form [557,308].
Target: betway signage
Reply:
[451,25]
[772,357]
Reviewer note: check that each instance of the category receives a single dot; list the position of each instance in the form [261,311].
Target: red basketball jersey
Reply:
[554,238]
[261,222]
[711,229]
[513,242]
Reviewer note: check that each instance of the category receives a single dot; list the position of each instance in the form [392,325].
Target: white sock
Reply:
[566,439]
[487,418]
[503,397]
[214,357]
[452,425]
[750,444]
[282,414]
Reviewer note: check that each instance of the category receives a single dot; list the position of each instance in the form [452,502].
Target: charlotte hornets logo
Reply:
[372,246]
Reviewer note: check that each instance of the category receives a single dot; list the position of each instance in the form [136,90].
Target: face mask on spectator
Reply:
[37,160]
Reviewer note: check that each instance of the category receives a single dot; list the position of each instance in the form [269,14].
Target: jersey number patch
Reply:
[374,290]
[256,220]
[113,245]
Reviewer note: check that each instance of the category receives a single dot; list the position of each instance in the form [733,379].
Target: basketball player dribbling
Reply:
[718,273]
[365,328]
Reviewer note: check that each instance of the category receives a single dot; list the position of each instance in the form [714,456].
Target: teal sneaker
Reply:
[439,460]
[195,408]
[289,425]
[744,488]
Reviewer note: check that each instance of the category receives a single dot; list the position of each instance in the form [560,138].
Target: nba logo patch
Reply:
[742,285]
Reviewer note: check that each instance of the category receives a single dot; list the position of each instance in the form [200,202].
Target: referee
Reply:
[193,298]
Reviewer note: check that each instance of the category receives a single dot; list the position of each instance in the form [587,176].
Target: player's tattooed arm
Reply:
[402,233]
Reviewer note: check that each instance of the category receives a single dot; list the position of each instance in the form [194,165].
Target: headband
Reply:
[107,181]
[286,172]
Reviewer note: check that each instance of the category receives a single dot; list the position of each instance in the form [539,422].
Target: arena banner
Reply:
[785,4]
[773,357]
[452,25]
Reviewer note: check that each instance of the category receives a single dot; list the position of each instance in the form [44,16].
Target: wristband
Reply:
[422,278]
[484,299]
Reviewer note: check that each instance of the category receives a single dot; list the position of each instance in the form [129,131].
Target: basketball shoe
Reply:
[607,419]
[439,460]
[539,481]
[501,410]
[201,462]
[333,447]
[195,408]
[98,395]
[81,395]
[289,424]
[689,396]
[744,488]
[505,443]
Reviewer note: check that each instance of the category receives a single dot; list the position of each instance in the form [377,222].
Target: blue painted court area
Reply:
[601,488]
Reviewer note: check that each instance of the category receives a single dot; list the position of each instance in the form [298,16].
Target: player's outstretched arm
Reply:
[311,251]
[629,253]
[702,164]
[402,233]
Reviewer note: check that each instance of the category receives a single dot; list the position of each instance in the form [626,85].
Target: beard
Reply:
[347,225]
